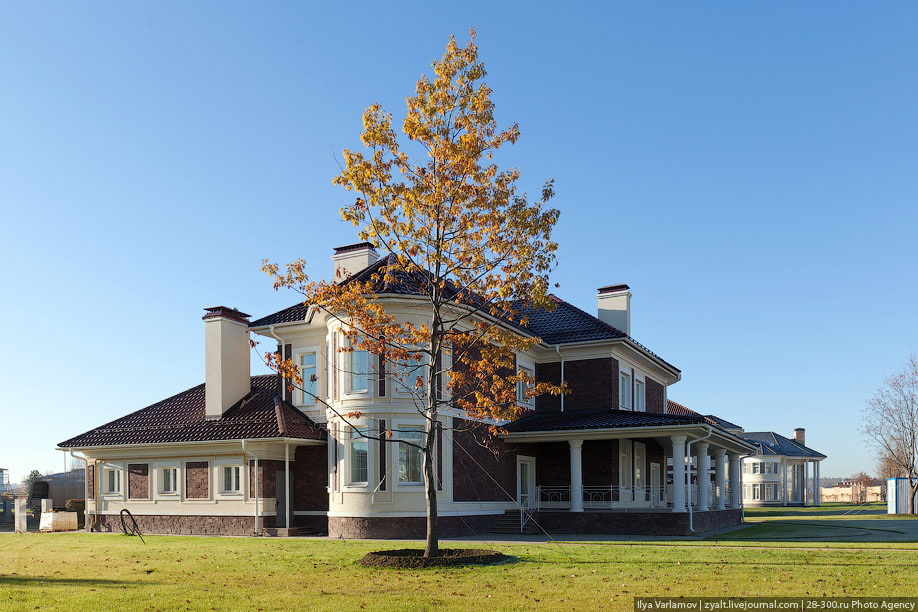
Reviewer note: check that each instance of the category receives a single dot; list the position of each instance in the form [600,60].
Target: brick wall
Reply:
[91,480]
[267,477]
[599,460]
[138,480]
[488,459]
[654,398]
[309,473]
[593,384]
[197,480]
[413,527]
[185,525]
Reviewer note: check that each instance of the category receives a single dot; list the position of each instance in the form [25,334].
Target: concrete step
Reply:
[288,532]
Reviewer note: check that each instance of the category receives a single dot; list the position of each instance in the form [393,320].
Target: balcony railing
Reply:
[621,498]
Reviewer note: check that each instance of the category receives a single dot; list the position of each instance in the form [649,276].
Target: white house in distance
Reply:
[782,472]
[241,454]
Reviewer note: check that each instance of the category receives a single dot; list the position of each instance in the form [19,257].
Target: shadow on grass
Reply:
[8,580]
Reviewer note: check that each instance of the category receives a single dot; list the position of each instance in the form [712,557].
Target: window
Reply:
[409,457]
[113,481]
[358,456]
[169,480]
[756,467]
[358,371]
[231,480]
[522,388]
[639,396]
[624,391]
[310,378]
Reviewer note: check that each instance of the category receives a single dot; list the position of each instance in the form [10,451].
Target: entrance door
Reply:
[654,484]
[640,475]
[525,482]
[281,498]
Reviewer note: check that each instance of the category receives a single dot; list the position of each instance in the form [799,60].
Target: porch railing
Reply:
[621,497]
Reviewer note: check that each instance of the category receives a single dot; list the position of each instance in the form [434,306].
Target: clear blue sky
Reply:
[750,170]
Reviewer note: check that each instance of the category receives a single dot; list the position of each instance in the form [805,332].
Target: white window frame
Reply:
[303,398]
[225,490]
[640,399]
[345,370]
[118,470]
[622,388]
[161,479]
[401,430]
[352,437]
[521,387]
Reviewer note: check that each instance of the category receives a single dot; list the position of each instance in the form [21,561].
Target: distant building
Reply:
[783,471]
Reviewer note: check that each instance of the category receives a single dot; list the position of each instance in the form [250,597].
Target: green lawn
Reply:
[114,572]
[826,510]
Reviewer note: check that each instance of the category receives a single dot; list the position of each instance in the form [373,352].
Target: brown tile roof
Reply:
[180,418]
[678,409]
[595,419]
[564,325]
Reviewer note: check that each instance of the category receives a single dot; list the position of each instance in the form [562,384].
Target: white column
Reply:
[806,483]
[735,484]
[576,476]
[703,463]
[784,480]
[678,473]
[718,454]
[817,494]
[287,485]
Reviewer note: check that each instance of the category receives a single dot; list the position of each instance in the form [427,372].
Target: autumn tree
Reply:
[891,424]
[475,251]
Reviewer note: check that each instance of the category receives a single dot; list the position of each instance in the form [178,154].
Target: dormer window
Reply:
[624,391]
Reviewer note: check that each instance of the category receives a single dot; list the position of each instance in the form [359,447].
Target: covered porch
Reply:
[630,472]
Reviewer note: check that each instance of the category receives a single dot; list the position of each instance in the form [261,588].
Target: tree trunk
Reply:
[432,548]
[912,491]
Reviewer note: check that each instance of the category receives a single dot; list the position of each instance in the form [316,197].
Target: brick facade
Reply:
[185,525]
[408,527]
[197,480]
[593,384]
[636,523]
[267,476]
[484,467]
[309,473]
[654,396]
[138,480]
[91,480]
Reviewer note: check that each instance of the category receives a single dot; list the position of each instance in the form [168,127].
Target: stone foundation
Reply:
[184,525]
[407,527]
[636,523]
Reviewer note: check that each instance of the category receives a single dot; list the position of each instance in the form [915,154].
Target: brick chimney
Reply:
[352,258]
[800,435]
[614,302]
[226,349]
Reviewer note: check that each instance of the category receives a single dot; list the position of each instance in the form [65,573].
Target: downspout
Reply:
[688,475]
[257,517]
[558,350]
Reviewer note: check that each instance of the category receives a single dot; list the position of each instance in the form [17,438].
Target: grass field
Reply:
[114,572]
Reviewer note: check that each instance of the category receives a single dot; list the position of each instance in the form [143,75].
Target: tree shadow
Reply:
[10,580]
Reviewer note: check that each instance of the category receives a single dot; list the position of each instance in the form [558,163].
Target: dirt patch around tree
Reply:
[413,558]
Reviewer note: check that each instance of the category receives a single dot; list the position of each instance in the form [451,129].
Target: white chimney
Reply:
[614,304]
[352,258]
[226,349]
[800,436]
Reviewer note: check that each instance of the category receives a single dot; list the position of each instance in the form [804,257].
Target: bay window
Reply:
[357,456]
[409,457]
[309,372]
